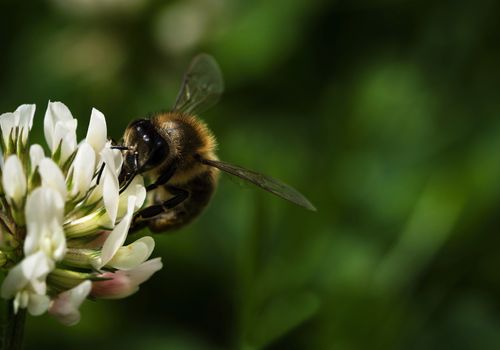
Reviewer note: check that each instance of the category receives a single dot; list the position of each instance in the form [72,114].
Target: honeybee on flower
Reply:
[63,220]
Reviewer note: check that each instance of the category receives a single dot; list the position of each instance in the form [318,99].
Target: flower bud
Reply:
[121,284]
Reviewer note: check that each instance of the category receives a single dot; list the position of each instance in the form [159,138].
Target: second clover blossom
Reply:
[63,220]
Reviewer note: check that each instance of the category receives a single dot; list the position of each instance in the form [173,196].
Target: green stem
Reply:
[14,329]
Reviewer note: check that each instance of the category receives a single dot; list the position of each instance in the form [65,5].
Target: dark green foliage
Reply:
[384,113]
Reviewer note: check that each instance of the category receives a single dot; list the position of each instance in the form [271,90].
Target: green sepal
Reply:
[56,155]
[63,279]
[67,164]
[34,179]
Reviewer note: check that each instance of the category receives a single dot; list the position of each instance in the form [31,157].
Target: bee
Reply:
[177,150]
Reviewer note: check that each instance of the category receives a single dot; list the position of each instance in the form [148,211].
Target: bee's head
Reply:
[146,147]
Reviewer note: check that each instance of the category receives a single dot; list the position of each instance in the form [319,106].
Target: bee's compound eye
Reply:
[159,152]
[139,125]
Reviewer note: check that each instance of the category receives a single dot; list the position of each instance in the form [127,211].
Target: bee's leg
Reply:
[179,196]
[99,173]
[128,177]
[163,178]
[137,225]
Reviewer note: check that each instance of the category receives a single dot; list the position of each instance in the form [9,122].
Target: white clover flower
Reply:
[36,156]
[60,131]
[52,176]
[64,222]
[26,283]
[132,255]
[97,132]
[123,283]
[14,181]
[15,128]
[65,306]
[44,218]
[81,173]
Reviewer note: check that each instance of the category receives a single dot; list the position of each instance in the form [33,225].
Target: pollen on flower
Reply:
[63,218]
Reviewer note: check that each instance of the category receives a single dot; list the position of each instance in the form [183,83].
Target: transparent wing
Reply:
[202,86]
[265,182]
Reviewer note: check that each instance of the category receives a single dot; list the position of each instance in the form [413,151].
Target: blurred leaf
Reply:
[280,315]
[431,223]
[262,35]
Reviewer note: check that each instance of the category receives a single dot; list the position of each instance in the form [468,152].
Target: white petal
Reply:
[17,302]
[65,306]
[114,285]
[44,203]
[121,284]
[60,128]
[57,241]
[114,160]
[65,133]
[110,184]
[33,268]
[56,111]
[116,156]
[82,169]
[25,114]
[7,122]
[14,179]
[15,281]
[96,193]
[36,267]
[117,237]
[133,255]
[136,189]
[44,216]
[52,176]
[113,157]
[144,271]
[36,155]
[38,304]
[97,132]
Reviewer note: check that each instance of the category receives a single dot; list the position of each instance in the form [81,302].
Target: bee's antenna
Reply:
[100,173]
[132,176]
[121,148]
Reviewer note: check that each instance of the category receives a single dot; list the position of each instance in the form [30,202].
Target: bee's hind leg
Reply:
[163,178]
[179,196]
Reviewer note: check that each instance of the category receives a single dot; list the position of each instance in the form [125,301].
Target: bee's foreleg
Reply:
[163,178]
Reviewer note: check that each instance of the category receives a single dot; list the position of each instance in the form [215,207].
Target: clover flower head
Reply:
[64,219]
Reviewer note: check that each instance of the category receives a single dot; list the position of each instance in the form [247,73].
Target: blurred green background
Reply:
[384,113]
